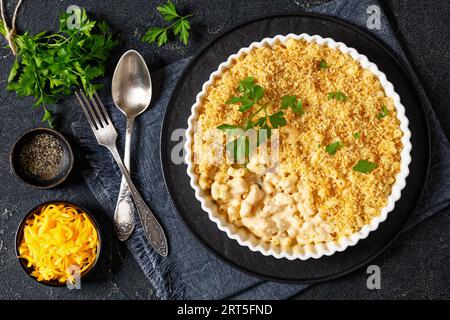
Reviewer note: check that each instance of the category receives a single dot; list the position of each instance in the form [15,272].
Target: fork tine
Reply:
[102,107]
[103,120]
[95,116]
[85,111]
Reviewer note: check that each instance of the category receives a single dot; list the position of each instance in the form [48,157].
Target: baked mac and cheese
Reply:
[336,160]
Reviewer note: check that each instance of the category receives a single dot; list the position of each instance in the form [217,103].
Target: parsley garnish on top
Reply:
[337,95]
[227,127]
[292,102]
[179,25]
[332,148]
[323,64]
[249,99]
[277,120]
[383,113]
[365,166]
[251,93]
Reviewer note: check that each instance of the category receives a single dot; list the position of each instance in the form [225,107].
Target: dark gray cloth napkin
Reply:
[190,271]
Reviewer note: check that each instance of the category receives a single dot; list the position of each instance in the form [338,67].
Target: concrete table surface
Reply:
[417,264]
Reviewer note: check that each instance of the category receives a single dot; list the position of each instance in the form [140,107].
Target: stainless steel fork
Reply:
[106,135]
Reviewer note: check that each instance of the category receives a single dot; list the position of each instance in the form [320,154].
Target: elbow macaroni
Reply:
[278,211]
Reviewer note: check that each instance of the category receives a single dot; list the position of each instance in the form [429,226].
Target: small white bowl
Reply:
[247,239]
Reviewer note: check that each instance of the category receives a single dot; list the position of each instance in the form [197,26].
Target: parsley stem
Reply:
[252,115]
[54,35]
[177,21]
[61,43]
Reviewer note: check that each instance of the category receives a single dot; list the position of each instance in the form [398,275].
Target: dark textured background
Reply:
[416,266]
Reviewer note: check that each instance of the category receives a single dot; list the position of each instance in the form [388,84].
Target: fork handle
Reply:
[152,229]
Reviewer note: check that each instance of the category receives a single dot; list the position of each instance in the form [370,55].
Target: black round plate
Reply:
[177,180]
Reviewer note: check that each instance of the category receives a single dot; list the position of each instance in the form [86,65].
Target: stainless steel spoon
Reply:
[132,92]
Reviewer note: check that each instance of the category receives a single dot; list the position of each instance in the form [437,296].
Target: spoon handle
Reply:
[124,213]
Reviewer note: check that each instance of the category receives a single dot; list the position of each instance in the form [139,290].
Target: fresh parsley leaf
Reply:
[50,65]
[258,92]
[14,70]
[323,64]
[357,135]
[239,149]
[277,120]
[162,38]
[292,102]
[298,107]
[246,84]
[250,88]
[337,95]
[365,166]
[249,125]
[181,29]
[383,113]
[229,129]
[251,93]
[168,11]
[287,101]
[261,122]
[233,100]
[48,117]
[247,103]
[156,34]
[180,26]
[332,148]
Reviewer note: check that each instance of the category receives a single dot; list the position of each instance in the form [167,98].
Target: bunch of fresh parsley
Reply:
[179,25]
[250,96]
[50,65]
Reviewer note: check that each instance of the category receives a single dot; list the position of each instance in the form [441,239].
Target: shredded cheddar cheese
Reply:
[57,240]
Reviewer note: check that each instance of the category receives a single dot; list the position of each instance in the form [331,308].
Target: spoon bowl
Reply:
[131,85]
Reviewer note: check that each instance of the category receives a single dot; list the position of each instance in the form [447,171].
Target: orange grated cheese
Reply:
[57,239]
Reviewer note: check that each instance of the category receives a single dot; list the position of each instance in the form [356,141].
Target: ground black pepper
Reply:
[42,156]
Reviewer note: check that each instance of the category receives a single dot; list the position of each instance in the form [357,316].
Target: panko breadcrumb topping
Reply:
[314,195]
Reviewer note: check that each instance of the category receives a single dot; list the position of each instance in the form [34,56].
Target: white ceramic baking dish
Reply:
[245,238]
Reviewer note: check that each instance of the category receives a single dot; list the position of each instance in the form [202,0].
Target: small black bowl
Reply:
[19,237]
[35,181]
